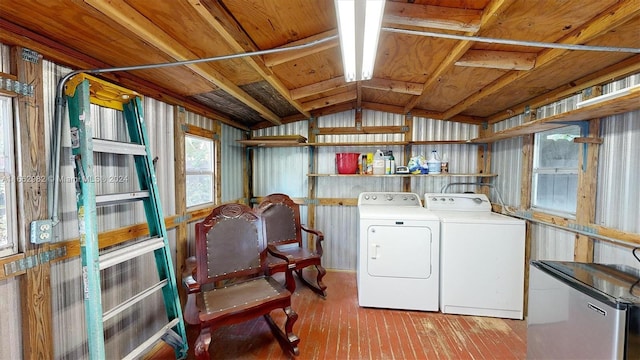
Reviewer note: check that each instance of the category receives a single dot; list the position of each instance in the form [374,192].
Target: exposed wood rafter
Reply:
[428,16]
[127,17]
[619,70]
[330,100]
[507,60]
[219,19]
[285,56]
[319,87]
[489,17]
[402,87]
[615,16]
[11,33]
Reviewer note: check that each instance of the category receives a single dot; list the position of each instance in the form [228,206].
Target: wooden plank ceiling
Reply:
[459,79]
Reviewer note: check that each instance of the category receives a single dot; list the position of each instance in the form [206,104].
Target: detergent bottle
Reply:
[434,163]
[378,163]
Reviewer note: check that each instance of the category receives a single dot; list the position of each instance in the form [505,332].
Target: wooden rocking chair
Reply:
[231,282]
[282,228]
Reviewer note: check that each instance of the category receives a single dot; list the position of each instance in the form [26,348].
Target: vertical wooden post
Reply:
[484,159]
[312,180]
[182,251]
[525,204]
[408,137]
[35,285]
[247,170]
[217,135]
[587,182]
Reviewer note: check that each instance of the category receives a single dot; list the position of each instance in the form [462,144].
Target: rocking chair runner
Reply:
[231,282]
[282,228]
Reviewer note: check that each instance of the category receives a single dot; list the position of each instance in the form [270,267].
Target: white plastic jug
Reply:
[434,163]
[378,163]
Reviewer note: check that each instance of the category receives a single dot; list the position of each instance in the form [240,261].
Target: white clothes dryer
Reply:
[481,257]
[398,251]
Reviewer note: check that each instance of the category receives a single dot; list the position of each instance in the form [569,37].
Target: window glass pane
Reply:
[199,189]
[199,160]
[556,149]
[199,154]
[8,244]
[556,192]
[555,171]
[4,235]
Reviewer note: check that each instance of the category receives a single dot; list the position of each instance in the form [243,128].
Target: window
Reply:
[555,170]
[199,170]
[8,234]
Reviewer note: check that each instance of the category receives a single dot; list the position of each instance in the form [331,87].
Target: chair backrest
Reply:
[281,219]
[229,244]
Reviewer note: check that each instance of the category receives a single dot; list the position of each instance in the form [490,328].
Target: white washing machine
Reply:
[398,251]
[481,257]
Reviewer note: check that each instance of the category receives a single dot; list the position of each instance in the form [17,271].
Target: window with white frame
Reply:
[8,210]
[555,170]
[199,164]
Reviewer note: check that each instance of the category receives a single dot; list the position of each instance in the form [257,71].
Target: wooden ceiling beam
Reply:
[219,19]
[402,87]
[507,60]
[624,68]
[608,20]
[428,16]
[393,109]
[129,18]
[330,100]
[338,108]
[319,87]
[62,55]
[286,56]
[490,15]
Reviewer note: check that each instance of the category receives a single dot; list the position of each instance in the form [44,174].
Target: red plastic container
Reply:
[347,163]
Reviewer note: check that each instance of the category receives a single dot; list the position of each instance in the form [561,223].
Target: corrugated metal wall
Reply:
[506,161]
[550,243]
[284,170]
[233,155]
[618,191]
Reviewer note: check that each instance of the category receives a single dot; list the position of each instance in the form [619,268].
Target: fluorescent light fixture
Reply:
[609,96]
[359,23]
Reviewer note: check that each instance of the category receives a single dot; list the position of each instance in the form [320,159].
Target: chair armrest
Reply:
[291,265]
[273,250]
[191,284]
[319,238]
[188,278]
[315,232]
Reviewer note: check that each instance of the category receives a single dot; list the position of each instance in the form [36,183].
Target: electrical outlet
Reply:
[41,231]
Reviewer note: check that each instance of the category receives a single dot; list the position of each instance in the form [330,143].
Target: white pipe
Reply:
[53,194]
[514,42]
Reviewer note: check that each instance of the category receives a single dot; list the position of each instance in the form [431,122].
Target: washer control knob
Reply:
[450,199]
[389,197]
[434,199]
[374,197]
[366,197]
[443,199]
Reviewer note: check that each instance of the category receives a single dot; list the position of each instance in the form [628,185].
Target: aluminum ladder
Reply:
[81,90]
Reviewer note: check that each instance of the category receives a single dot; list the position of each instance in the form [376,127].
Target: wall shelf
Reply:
[405,175]
[618,105]
[290,143]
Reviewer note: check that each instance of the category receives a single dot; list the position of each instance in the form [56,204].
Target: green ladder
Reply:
[82,90]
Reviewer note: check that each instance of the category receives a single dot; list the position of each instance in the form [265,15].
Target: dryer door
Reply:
[399,251]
